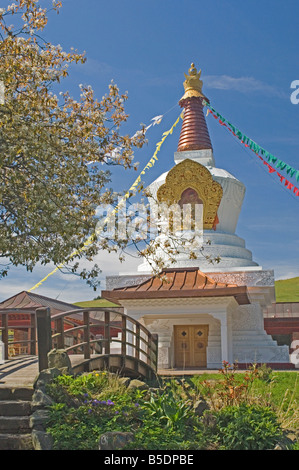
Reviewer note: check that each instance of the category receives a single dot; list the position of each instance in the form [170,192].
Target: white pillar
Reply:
[226,337]
[224,340]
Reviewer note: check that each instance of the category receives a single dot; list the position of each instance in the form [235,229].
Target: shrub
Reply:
[243,427]
[88,406]
[154,435]
[170,410]
[264,373]
[231,388]
[243,413]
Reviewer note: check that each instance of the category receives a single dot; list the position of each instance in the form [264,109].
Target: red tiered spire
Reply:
[194,133]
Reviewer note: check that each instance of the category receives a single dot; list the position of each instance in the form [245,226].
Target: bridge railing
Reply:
[18,346]
[96,331]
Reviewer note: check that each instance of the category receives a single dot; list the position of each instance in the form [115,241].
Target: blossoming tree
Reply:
[55,151]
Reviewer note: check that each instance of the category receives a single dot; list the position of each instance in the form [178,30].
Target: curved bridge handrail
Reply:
[114,329]
[81,310]
[99,309]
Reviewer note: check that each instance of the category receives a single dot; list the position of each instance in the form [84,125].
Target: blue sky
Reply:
[248,54]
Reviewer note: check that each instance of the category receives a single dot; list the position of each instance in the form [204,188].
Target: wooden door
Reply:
[190,345]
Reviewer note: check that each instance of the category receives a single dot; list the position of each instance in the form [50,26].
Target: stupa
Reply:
[204,313]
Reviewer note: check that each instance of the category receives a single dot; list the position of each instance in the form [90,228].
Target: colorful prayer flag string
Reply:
[259,151]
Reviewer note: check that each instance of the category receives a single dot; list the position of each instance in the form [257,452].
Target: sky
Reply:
[248,55]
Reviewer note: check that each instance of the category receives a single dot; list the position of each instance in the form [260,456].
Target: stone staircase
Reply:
[15,410]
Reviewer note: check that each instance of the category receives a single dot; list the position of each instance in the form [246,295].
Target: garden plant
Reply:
[251,410]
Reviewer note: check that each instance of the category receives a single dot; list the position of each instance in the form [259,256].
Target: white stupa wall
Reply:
[222,242]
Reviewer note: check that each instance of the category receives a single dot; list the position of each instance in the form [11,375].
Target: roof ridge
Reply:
[47,298]
[6,300]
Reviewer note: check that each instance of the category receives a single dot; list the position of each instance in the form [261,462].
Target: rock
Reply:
[38,419]
[40,400]
[209,420]
[45,377]
[59,359]
[115,440]
[41,440]
[286,442]
[125,381]
[200,406]
[135,383]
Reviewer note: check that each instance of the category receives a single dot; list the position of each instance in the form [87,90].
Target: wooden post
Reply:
[5,334]
[137,342]
[86,335]
[59,327]
[32,335]
[155,341]
[107,332]
[44,336]
[123,337]
[137,347]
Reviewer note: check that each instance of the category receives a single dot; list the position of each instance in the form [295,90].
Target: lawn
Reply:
[96,303]
[279,388]
[287,290]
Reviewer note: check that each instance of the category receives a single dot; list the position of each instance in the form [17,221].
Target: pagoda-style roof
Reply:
[27,302]
[179,283]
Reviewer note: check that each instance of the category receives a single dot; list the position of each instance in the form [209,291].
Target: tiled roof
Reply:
[28,301]
[184,282]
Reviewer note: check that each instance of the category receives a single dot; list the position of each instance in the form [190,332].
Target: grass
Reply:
[96,303]
[277,387]
[287,290]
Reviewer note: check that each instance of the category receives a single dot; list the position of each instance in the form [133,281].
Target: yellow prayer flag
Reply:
[126,196]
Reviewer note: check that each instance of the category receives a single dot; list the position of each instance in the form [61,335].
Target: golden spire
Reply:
[194,132]
[193,84]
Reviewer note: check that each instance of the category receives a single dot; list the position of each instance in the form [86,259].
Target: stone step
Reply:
[15,411]
[16,393]
[16,442]
[15,408]
[14,424]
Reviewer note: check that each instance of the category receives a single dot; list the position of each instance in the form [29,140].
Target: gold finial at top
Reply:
[193,84]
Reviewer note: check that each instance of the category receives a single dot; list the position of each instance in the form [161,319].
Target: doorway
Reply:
[190,345]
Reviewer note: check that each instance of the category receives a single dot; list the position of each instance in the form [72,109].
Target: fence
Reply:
[18,346]
[97,332]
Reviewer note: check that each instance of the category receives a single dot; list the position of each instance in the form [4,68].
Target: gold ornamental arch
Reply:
[193,175]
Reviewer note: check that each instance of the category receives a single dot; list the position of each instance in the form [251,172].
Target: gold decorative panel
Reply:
[193,175]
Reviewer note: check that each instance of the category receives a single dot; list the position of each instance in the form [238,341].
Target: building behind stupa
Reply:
[205,313]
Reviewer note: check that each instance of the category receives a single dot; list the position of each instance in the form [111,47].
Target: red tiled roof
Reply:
[184,282]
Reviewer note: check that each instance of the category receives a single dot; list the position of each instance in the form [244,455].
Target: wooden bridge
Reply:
[95,339]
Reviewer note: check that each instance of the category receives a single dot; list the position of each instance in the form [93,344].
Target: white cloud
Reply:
[283,271]
[241,84]
[66,287]
[94,67]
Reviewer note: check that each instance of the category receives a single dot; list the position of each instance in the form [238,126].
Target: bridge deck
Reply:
[22,370]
